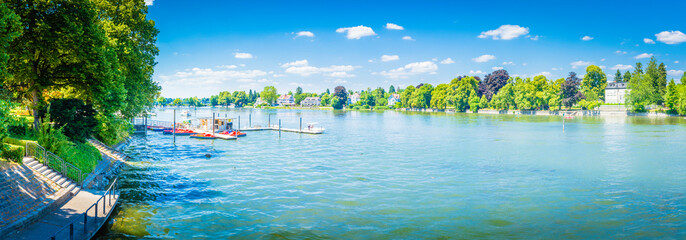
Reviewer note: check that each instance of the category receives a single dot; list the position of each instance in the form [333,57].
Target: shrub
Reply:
[14,141]
[12,152]
[113,130]
[82,155]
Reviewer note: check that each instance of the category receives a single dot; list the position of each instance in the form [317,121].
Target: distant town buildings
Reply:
[354,98]
[615,92]
[393,99]
[285,100]
[311,101]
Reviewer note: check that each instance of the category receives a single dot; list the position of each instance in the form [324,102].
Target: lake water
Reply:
[390,175]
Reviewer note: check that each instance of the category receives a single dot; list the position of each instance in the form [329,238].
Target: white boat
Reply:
[312,128]
[185,114]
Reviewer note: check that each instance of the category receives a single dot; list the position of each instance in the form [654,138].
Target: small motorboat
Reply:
[179,131]
[204,136]
[234,133]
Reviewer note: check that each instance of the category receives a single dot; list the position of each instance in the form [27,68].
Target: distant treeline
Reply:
[497,90]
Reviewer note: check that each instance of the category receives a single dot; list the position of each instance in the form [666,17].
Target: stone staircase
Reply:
[53,176]
[26,194]
[108,150]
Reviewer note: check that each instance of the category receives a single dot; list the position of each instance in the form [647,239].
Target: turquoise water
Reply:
[390,175]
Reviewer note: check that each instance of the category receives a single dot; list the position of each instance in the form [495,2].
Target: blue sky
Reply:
[212,46]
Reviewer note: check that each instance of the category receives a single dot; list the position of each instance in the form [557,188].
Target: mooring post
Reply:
[174,126]
[269,121]
[301,124]
[279,128]
[212,132]
[250,120]
[239,122]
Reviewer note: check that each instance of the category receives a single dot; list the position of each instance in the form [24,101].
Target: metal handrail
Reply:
[111,192]
[53,161]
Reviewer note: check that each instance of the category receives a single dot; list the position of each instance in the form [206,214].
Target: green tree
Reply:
[504,99]
[336,103]
[269,94]
[618,76]
[406,97]
[161,101]
[240,98]
[177,102]
[483,103]
[641,92]
[671,97]
[63,46]
[594,83]
[214,100]
[638,69]
[391,89]
[10,28]
[422,96]
[325,99]
[439,96]
[474,102]
[74,117]
[460,90]
[627,76]
[341,94]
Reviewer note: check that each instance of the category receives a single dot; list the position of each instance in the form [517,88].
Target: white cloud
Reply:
[602,59]
[535,38]
[388,58]
[483,58]
[410,69]
[242,55]
[434,59]
[302,68]
[546,74]
[278,75]
[340,75]
[524,64]
[579,64]
[447,61]
[340,81]
[227,66]
[304,34]
[602,66]
[505,32]
[393,26]
[620,52]
[643,55]
[557,69]
[200,76]
[678,73]
[149,2]
[496,68]
[676,62]
[671,37]
[477,72]
[587,38]
[648,41]
[356,32]
[622,67]
[508,63]
[408,38]
[295,63]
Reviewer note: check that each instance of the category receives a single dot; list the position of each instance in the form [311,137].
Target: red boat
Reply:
[179,131]
[235,133]
[204,136]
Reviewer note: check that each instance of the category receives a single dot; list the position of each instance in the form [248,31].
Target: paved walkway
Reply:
[72,210]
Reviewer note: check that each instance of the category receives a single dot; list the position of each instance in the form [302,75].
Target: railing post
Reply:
[71,231]
[96,211]
[85,221]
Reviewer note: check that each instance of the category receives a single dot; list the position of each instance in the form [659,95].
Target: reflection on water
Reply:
[388,175]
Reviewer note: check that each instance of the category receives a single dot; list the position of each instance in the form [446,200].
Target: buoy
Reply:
[207,155]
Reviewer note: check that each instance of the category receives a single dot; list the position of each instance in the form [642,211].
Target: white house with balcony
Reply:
[285,100]
[615,92]
[311,102]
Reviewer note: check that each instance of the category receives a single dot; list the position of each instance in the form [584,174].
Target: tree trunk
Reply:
[36,119]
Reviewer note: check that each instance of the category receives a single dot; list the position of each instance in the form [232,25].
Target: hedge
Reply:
[13,152]
[14,141]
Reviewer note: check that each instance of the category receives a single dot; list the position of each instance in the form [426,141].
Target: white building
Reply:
[394,98]
[285,100]
[615,92]
[258,101]
[354,98]
[311,101]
